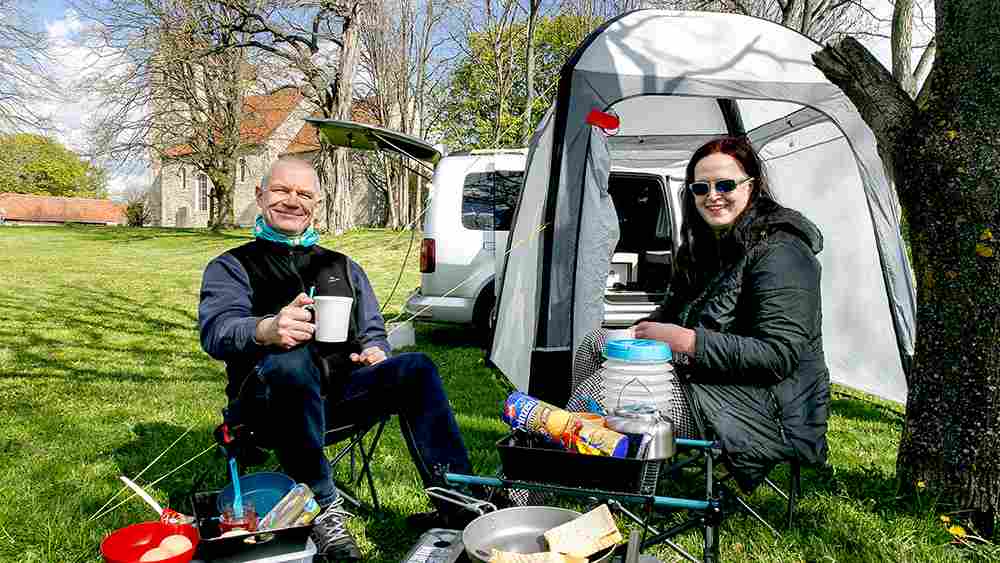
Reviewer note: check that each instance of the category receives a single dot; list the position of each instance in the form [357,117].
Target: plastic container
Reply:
[637,350]
[264,489]
[128,544]
[637,371]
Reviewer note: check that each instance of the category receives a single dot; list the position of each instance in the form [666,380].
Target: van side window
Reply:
[489,199]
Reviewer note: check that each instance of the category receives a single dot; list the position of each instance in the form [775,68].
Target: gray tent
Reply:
[676,79]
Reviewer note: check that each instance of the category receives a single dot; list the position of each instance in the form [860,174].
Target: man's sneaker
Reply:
[333,541]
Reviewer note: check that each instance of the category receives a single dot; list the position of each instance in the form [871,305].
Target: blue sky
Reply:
[49,10]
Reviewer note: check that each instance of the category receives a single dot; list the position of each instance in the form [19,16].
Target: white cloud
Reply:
[121,181]
[69,25]
[72,58]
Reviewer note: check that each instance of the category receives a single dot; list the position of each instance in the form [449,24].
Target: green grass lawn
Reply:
[101,370]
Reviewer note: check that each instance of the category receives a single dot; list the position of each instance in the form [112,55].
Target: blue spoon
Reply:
[237,492]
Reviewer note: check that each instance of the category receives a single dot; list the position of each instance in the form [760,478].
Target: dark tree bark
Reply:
[945,158]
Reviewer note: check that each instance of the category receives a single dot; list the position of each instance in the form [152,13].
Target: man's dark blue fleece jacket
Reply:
[253,281]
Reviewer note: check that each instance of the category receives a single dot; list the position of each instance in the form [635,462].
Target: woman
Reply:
[742,316]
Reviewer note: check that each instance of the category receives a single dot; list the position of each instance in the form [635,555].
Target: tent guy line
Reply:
[168,474]
[144,469]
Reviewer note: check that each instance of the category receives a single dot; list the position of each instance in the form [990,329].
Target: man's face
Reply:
[288,202]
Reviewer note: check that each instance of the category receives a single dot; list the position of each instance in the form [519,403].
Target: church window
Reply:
[243,170]
[202,192]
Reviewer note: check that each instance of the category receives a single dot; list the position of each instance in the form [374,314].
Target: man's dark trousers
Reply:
[288,410]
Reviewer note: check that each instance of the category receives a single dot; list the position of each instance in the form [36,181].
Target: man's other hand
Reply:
[290,327]
[369,356]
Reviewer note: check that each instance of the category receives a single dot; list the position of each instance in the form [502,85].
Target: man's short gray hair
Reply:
[265,180]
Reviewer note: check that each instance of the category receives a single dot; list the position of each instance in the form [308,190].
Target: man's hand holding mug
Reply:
[290,327]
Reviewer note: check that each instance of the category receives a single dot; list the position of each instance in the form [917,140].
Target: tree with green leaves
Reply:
[487,94]
[35,164]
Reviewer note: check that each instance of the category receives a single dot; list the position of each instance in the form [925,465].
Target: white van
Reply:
[469,213]
[472,202]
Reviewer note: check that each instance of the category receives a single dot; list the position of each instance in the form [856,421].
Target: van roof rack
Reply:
[489,151]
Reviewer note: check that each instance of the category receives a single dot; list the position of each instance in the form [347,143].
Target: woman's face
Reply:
[721,210]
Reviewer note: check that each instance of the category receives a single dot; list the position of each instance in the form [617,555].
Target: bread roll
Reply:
[176,544]
[155,554]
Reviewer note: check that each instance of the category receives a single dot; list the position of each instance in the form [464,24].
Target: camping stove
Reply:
[437,546]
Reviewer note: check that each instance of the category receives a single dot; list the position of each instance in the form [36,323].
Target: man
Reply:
[289,388]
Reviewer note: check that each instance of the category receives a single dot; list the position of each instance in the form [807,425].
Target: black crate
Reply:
[526,458]
[257,545]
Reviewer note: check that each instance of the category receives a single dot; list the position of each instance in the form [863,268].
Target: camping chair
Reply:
[239,440]
[790,496]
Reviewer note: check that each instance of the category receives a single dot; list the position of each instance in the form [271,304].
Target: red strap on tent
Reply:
[606,121]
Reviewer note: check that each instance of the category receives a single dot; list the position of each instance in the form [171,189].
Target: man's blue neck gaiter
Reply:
[264,231]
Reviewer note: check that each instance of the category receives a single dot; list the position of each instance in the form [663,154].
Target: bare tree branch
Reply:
[902,40]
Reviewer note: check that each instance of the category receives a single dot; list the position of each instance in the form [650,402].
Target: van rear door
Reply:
[360,136]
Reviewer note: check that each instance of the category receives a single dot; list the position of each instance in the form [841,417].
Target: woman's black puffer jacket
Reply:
[758,378]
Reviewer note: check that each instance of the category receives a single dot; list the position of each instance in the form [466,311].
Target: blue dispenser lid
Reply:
[638,350]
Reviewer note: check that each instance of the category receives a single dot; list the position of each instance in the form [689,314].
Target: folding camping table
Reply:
[706,513]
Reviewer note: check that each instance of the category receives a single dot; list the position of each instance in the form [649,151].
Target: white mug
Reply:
[333,317]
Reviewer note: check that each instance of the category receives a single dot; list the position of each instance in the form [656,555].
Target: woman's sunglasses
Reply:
[723,186]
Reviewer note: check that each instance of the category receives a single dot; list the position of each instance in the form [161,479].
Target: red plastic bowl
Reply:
[128,544]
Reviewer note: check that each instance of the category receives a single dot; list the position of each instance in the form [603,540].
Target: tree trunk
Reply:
[343,205]
[340,211]
[223,214]
[946,163]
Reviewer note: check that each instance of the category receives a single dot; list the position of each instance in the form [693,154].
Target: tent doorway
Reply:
[641,265]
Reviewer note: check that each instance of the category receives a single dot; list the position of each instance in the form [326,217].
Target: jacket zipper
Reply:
[777,416]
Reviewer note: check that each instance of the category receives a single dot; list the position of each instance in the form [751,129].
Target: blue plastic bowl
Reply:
[264,489]
[638,350]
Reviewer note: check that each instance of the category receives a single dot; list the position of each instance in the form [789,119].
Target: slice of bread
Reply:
[586,535]
[544,557]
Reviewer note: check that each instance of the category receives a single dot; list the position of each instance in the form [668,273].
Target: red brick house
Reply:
[24,209]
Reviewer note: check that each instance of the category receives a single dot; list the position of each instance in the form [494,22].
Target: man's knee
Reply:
[292,369]
[417,364]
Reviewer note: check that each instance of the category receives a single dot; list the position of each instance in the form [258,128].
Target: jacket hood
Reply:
[794,223]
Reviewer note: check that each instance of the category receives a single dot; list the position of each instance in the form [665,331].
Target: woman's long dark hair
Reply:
[700,255]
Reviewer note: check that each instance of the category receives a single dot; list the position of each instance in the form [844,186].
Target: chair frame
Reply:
[356,439]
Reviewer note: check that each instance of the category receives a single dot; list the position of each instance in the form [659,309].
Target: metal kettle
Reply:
[645,420]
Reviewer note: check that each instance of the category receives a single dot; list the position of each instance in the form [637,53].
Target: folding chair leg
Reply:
[746,508]
[366,469]
[793,490]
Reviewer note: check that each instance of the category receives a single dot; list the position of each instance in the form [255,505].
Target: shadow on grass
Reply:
[139,234]
[162,336]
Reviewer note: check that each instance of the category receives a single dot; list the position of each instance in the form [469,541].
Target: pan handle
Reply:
[460,479]
[471,504]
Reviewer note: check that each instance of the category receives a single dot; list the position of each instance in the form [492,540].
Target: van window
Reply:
[489,198]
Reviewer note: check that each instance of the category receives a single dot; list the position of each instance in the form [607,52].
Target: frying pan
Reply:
[518,530]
